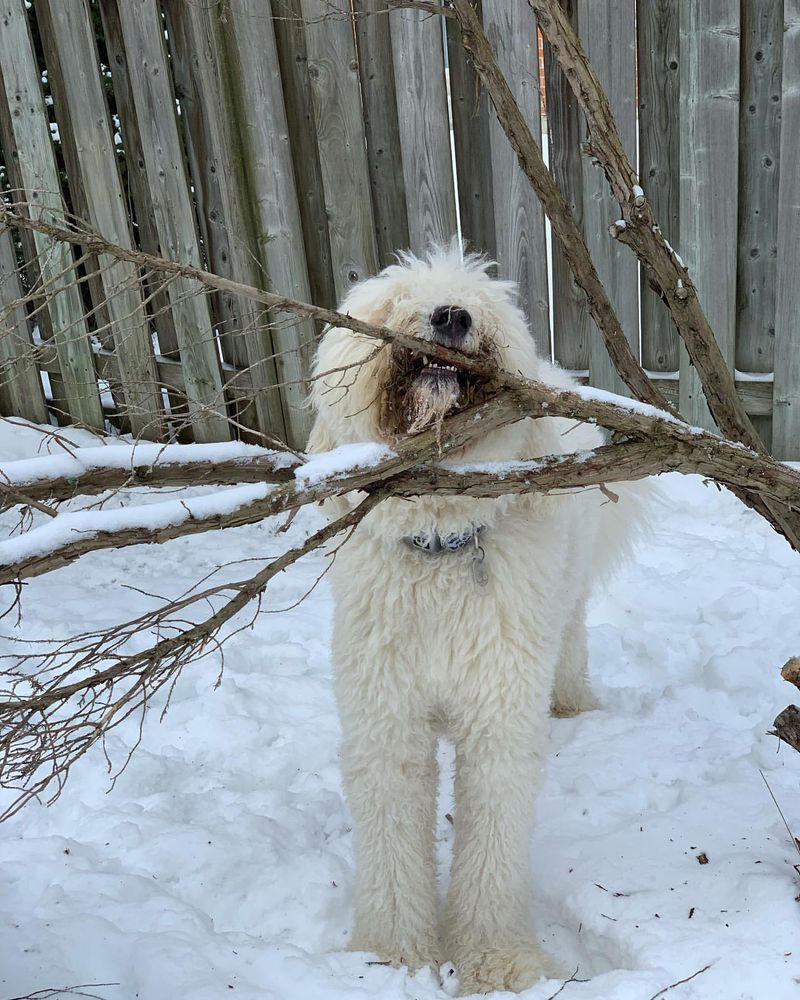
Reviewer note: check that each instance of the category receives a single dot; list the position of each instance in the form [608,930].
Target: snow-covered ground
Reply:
[221,862]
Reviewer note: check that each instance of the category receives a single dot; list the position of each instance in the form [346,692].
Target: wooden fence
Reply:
[295,144]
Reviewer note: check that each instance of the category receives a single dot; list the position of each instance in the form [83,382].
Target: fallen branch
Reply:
[652,443]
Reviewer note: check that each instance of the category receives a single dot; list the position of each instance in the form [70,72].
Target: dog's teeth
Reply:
[425,359]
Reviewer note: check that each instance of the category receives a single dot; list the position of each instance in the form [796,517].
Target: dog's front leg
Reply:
[488,933]
[389,768]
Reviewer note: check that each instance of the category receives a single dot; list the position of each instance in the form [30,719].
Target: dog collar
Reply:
[433,543]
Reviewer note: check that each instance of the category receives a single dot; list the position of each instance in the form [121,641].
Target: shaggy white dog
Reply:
[455,617]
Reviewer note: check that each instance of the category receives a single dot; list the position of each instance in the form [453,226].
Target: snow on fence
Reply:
[294,144]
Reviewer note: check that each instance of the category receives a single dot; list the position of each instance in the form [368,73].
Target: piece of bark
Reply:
[790,671]
[787,726]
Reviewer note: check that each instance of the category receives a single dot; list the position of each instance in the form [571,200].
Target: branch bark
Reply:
[651,442]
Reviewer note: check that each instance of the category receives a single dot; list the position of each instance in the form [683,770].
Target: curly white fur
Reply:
[421,651]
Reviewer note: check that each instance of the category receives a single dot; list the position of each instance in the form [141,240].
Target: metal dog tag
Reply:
[480,573]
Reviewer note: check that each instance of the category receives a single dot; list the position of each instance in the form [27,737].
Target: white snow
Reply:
[637,191]
[220,864]
[342,461]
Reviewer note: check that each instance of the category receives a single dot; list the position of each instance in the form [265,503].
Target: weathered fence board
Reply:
[472,117]
[154,101]
[138,190]
[571,325]
[384,151]
[204,88]
[291,41]
[264,144]
[70,45]
[20,383]
[333,75]
[659,160]
[29,137]
[759,156]
[417,46]
[243,172]
[311,144]
[608,32]
[519,219]
[786,414]
[709,40]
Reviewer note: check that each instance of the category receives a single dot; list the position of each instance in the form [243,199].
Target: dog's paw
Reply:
[567,708]
[511,967]
[413,953]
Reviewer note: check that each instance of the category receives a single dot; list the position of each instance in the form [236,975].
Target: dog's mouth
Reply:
[436,377]
[419,392]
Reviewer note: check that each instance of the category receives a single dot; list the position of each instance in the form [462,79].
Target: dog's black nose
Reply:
[452,322]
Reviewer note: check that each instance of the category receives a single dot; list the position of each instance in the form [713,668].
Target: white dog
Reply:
[455,616]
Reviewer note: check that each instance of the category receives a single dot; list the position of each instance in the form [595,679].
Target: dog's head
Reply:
[446,299]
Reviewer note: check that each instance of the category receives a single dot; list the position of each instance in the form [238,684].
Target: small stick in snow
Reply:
[680,982]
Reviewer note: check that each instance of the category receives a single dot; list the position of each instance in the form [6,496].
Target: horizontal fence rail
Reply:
[294,145]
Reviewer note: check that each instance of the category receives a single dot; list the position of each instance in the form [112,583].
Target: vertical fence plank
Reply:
[271,189]
[786,403]
[211,106]
[21,385]
[608,32]
[709,41]
[291,41]
[29,137]
[417,45]
[659,160]
[384,153]
[333,76]
[519,220]
[571,331]
[154,101]
[68,36]
[472,119]
[759,156]
[137,188]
